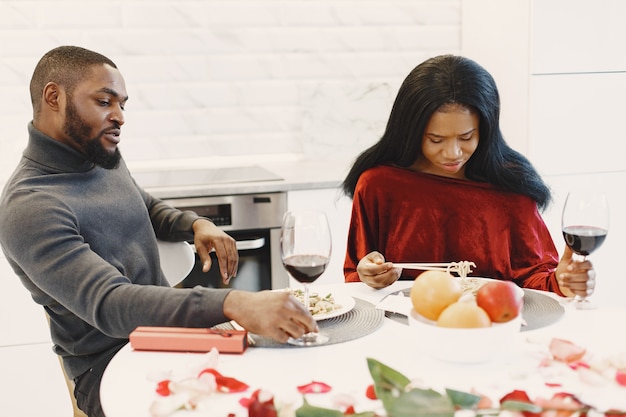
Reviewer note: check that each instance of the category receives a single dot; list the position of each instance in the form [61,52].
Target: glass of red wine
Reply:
[585,224]
[305,244]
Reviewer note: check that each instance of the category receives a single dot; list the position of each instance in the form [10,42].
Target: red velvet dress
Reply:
[415,217]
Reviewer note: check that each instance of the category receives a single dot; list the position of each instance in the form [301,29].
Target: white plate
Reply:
[345,301]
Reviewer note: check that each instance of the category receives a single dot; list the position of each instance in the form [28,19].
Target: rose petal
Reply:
[262,396]
[225,383]
[163,388]
[620,377]
[566,351]
[314,387]
[260,404]
[578,364]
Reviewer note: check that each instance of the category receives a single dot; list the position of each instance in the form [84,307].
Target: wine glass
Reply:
[305,245]
[585,224]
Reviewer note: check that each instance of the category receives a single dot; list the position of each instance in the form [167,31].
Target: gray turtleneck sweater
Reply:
[83,241]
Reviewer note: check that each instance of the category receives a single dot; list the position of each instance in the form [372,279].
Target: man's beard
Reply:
[79,131]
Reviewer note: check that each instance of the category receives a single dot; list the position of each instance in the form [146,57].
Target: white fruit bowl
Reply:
[464,345]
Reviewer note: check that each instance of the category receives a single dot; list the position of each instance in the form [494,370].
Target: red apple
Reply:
[502,300]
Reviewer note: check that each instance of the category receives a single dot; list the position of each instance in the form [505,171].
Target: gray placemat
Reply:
[539,310]
[362,320]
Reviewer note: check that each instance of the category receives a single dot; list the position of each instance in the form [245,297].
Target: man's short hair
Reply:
[66,66]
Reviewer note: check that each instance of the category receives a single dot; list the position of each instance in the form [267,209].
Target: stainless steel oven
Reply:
[253,220]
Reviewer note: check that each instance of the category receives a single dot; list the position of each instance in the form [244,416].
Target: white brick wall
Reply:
[211,78]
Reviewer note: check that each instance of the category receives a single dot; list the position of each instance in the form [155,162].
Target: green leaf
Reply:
[308,410]
[521,406]
[385,375]
[463,399]
[388,383]
[420,402]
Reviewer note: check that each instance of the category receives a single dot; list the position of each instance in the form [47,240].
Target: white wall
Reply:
[223,78]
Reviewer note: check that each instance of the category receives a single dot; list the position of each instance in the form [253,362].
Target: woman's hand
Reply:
[375,272]
[207,236]
[575,277]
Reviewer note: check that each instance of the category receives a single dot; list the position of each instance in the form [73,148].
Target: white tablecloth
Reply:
[128,386]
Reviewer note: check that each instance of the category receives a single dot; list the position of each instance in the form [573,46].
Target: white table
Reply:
[128,385]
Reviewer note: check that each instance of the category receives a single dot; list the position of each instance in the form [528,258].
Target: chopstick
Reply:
[463,268]
[424,266]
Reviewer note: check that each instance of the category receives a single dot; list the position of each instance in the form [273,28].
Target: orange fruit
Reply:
[463,315]
[433,291]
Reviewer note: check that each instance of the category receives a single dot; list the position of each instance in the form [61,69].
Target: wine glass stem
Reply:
[307,304]
[581,298]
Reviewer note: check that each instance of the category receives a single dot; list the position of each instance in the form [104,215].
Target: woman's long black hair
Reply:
[432,84]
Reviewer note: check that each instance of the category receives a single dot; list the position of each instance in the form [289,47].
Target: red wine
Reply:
[584,239]
[305,268]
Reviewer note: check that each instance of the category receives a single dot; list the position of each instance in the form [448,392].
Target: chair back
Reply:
[177,260]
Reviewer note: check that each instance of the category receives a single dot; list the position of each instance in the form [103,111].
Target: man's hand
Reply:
[276,314]
[208,236]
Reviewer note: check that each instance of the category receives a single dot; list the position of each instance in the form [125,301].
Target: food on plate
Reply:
[501,300]
[463,314]
[317,303]
[433,291]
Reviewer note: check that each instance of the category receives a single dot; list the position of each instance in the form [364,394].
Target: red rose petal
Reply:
[225,383]
[578,364]
[254,398]
[314,387]
[370,392]
[245,402]
[521,396]
[516,395]
[258,408]
[163,388]
[620,377]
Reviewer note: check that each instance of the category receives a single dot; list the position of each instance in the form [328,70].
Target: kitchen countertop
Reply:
[273,176]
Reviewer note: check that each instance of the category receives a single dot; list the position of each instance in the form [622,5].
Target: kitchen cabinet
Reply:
[575,123]
[577,36]
[561,86]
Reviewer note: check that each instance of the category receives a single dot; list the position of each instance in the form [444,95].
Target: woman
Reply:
[442,185]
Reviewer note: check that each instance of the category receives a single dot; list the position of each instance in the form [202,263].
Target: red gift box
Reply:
[184,339]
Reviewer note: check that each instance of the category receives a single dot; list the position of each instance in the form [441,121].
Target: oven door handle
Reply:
[251,244]
[248,244]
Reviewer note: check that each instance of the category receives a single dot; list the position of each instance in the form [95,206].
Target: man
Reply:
[82,236]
